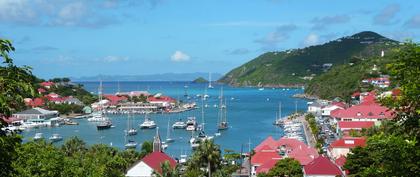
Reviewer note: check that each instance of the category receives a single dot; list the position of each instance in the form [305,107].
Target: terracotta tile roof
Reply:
[154,160]
[348,142]
[161,98]
[269,141]
[298,150]
[364,110]
[321,166]
[355,124]
[261,157]
[45,84]
[264,168]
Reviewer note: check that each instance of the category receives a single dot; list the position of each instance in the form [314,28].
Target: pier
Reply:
[310,138]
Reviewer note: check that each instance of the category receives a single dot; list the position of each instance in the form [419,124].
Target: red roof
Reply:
[114,99]
[298,150]
[355,124]
[46,84]
[269,141]
[161,99]
[41,90]
[37,102]
[348,142]
[154,159]
[321,166]
[340,161]
[264,168]
[368,111]
[262,157]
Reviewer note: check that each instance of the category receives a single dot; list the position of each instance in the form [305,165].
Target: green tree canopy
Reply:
[284,167]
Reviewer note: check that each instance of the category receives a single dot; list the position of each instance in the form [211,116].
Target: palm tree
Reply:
[74,145]
[209,154]
[167,170]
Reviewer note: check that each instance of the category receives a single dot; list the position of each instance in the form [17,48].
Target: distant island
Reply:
[149,77]
[200,80]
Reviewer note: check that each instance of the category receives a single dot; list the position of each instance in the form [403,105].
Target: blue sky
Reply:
[135,37]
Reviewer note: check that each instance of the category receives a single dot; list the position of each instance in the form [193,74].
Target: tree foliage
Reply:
[284,167]
[74,158]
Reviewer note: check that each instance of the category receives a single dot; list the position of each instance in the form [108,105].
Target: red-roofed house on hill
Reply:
[37,102]
[326,111]
[341,147]
[271,150]
[321,166]
[363,112]
[344,127]
[47,85]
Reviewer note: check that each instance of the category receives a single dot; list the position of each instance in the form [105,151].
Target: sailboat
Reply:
[279,120]
[168,134]
[130,130]
[99,116]
[55,137]
[223,124]
[210,86]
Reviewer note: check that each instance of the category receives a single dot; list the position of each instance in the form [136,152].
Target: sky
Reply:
[61,38]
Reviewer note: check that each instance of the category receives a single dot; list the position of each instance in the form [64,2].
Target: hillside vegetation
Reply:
[288,68]
[341,81]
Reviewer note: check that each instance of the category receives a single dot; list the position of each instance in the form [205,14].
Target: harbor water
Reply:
[250,113]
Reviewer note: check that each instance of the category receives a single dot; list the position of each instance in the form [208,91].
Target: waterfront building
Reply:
[321,167]
[341,147]
[315,108]
[36,113]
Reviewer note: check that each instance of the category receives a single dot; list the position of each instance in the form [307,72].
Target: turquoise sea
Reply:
[250,113]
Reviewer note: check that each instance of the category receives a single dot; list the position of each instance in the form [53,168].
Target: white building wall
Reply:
[140,170]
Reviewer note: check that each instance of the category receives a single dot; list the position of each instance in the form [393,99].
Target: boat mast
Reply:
[280,110]
[225,118]
[202,113]
[221,106]
[210,80]
[100,96]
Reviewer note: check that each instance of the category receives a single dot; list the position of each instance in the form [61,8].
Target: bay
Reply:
[250,113]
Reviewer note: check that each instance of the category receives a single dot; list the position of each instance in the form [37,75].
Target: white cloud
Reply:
[111,59]
[17,10]
[179,56]
[311,39]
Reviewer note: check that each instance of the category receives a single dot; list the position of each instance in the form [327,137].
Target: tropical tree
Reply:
[207,155]
[167,170]
[73,145]
[405,72]
[284,167]
[15,85]
[15,82]
[146,148]
[385,155]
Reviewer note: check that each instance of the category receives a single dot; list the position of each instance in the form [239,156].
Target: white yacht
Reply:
[148,124]
[132,131]
[191,124]
[179,124]
[38,136]
[56,137]
[131,144]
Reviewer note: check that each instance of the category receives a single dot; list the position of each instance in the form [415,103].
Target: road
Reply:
[308,134]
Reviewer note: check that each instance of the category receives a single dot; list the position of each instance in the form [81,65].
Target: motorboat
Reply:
[104,125]
[98,117]
[38,136]
[56,137]
[132,131]
[131,144]
[191,124]
[148,124]
[179,124]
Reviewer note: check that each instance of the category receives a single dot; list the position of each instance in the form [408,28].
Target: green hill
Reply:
[200,80]
[294,67]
